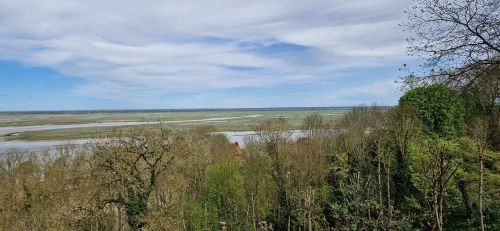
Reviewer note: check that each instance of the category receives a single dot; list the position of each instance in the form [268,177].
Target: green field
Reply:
[295,118]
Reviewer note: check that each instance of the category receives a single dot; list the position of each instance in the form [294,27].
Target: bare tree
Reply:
[127,168]
[458,39]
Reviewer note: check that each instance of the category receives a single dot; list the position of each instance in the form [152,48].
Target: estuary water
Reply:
[241,137]
[16,129]
[33,145]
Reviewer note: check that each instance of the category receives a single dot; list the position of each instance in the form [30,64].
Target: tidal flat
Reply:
[45,129]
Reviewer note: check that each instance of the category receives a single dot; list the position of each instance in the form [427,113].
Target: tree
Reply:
[222,199]
[309,171]
[435,162]
[456,38]
[403,126]
[128,167]
[438,107]
[356,170]
[275,136]
[479,132]
[257,184]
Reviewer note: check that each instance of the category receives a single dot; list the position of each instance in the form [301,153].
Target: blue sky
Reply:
[73,55]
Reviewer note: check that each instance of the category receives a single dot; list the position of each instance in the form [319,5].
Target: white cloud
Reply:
[159,47]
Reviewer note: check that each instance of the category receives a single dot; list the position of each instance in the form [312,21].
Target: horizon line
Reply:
[179,109]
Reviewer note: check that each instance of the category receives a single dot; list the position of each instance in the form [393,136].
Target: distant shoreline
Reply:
[178,110]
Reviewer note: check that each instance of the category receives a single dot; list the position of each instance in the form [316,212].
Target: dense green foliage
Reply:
[439,108]
[374,169]
[222,199]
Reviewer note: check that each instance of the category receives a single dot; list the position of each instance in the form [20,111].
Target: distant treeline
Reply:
[182,110]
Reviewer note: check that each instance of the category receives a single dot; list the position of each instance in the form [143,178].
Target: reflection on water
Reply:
[33,145]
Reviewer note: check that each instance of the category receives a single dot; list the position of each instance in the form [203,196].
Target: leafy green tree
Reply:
[403,127]
[257,183]
[222,199]
[435,165]
[439,108]
[275,136]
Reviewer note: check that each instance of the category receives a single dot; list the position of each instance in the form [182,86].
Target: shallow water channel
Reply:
[239,137]
[33,145]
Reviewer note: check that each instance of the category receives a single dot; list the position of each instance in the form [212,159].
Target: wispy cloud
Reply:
[378,92]
[150,48]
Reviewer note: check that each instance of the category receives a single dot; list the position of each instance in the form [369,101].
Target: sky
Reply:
[152,54]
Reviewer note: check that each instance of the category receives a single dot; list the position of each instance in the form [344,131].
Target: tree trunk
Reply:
[388,191]
[436,209]
[438,192]
[309,200]
[441,211]
[253,214]
[379,175]
[310,221]
[288,226]
[119,221]
[481,178]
